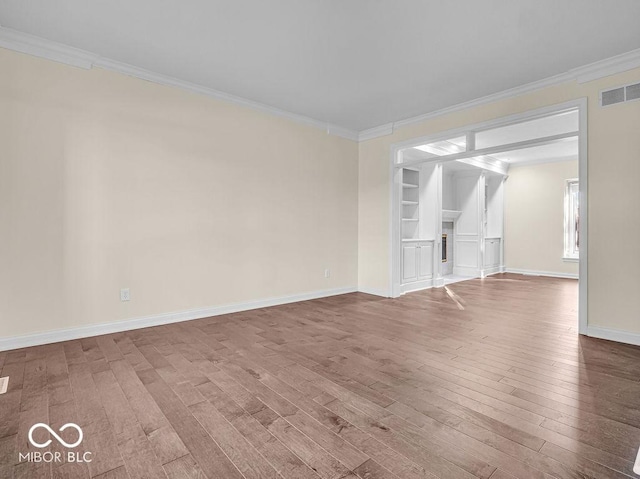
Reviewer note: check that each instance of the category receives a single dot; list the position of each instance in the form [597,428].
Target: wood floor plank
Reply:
[132,442]
[282,458]
[246,458]
[184,467]
[372,470]
[99,439]
[373,448]
[341,387]
[204,450]
[60,414]
[302,446]
[15,372]
[117,473]
[8,452]
[427,459]
[9,413]
[446,450]
[144,407]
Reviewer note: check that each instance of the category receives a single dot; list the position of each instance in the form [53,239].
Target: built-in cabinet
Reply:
[467,226]
[493,224]
[452,206]
[492,254]
[410,203]
[419,216]
[417,261]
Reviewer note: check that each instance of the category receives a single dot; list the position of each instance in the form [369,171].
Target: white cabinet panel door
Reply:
[409,263]
[468,202]
[466,253]
[488,253]
[425,261]
[492,252]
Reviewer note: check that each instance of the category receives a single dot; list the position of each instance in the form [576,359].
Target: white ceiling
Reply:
[353,63]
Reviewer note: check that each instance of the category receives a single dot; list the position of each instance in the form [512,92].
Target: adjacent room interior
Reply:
[324,240]
[459,215]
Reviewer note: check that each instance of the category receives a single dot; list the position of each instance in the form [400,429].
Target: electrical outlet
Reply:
[327,273]
[124,294]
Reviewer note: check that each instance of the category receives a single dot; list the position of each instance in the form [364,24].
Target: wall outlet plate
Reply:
[125,295]
[327,273]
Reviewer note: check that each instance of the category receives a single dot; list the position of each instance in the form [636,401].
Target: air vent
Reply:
[633,92]
[611,97]
[620,95]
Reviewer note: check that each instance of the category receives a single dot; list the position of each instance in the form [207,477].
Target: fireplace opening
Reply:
[444,248]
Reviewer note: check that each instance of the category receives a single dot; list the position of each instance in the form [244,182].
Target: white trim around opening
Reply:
[395,169]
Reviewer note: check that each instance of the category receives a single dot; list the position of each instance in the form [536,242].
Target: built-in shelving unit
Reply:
[410,203]
[451,212]
[419,208]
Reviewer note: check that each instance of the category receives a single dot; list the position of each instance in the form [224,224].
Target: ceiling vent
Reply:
[620,95]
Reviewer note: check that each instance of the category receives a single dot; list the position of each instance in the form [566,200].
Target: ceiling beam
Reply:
[520,145]
[489,164]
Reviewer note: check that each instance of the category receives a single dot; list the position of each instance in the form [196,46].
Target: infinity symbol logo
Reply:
[52,432]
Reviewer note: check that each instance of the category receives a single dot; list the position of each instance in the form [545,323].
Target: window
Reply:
[572,220]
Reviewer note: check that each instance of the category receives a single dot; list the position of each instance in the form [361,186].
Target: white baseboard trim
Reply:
[551,274]
[490,271]
[467,271]
[375,292]
[56,336]
[416,286]
[614,335]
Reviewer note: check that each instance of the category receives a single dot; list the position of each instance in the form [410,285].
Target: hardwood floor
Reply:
[343,387]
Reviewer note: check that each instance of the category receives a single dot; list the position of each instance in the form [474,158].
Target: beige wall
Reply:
[534,217]
[108,182]
[614,172]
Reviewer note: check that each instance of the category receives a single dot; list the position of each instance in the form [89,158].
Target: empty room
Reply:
[319,239]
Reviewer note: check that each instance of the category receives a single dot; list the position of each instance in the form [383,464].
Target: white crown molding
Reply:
[376,132]
[342,132]
[603,68]
[550,274]
[512,92]
[609,66]
[40,47]
[56,336]
[614,335]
